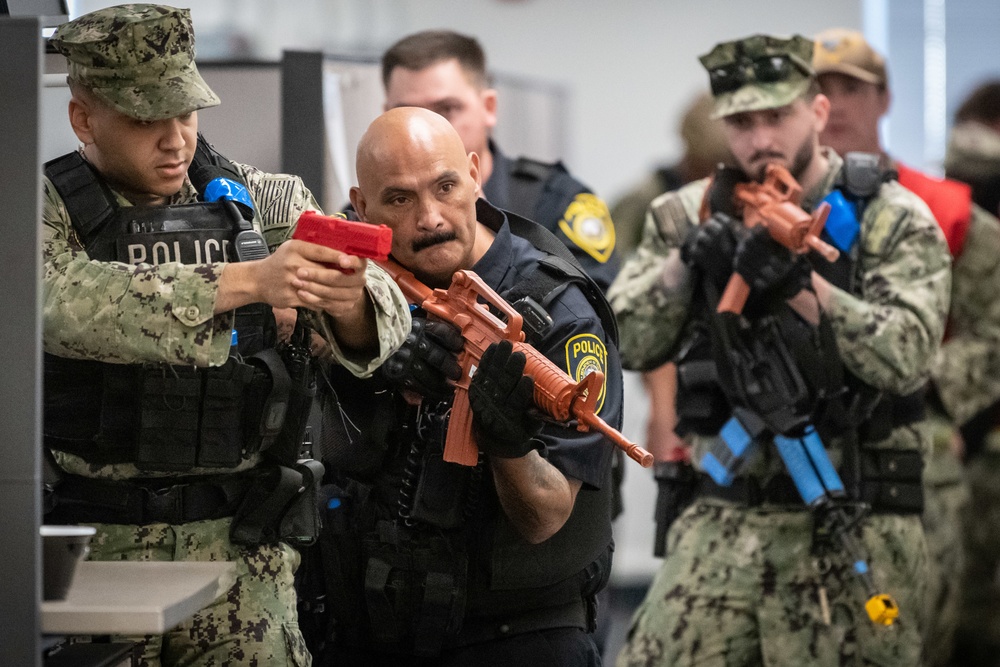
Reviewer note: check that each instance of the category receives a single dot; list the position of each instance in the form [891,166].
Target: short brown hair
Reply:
[982,104]
[423,49]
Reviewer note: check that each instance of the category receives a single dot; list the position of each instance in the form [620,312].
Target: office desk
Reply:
[134,598]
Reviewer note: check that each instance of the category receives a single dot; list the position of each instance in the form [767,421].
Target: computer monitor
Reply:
[52,12]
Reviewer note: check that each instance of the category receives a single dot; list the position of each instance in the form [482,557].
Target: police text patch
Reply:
[586,353]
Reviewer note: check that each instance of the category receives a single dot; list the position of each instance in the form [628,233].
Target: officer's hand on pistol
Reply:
[500,396]
[297,275]
[710,248]
[768,266]
[427,359]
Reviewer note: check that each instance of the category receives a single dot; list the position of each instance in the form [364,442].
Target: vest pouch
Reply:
[702,406]
[442,492]
[169,405]
[222,434]
[415,588]
[300,524]
[342,567]
[891,480]
[257,328]
[119,414]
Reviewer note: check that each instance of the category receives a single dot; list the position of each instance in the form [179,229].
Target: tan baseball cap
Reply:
[138,58]
[847,52]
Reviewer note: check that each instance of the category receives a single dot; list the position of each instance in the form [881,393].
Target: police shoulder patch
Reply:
[587,223]
[586,353]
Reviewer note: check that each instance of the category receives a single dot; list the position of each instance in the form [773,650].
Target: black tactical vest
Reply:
[158,416]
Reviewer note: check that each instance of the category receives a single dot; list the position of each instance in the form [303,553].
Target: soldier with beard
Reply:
[747,577]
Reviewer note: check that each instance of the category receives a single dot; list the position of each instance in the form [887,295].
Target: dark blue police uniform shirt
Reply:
[585,456]
[558,193]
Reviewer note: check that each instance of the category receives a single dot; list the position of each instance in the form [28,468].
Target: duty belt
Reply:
[883,496]
[171,501]
[571,615]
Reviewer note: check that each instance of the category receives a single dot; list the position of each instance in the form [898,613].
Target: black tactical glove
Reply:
[427,359]
[677,484]
[769,267]
[500,397]
[710,248]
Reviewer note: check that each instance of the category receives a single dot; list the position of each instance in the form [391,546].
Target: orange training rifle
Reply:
[774,203]
[555,392]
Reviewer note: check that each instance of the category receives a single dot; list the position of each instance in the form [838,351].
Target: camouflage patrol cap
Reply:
[758,72]
[138,58]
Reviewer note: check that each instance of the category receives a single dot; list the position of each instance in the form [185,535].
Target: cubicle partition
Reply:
[20,354]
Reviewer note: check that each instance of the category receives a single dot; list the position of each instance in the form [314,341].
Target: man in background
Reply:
[446,72]
[973,154]
[704,148]
[973,157]
[967,371]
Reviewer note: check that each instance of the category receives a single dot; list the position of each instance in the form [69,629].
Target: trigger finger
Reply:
[443,360]
[446,335]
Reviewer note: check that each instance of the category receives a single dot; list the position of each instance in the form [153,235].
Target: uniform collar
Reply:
[815,195]
[496,189]
[492,267]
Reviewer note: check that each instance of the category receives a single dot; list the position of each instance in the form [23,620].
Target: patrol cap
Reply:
[138,58]
[758,72]
[846,52]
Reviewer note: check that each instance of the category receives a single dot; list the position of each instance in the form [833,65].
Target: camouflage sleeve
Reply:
[114,312]
[652,293]
[392,316]
[889,335]
[280,200]
[967,369]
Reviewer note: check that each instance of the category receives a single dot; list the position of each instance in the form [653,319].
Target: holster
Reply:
[282,504]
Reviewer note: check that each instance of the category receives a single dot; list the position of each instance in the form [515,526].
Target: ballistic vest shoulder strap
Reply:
[527,182]
[90,203]
[564,267]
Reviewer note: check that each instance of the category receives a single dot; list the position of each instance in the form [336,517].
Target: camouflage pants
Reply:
[946,498]
[978,637]
[253,624]
[741,587]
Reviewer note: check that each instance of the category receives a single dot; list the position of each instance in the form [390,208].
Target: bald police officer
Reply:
[166,397]
[745,579]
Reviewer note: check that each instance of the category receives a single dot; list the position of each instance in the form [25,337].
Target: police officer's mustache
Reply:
[433,239]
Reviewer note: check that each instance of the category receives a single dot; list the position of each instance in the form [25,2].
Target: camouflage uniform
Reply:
[139,58]
[967,379]
[973,157]
[966,373]
[967,376]
[743,585]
